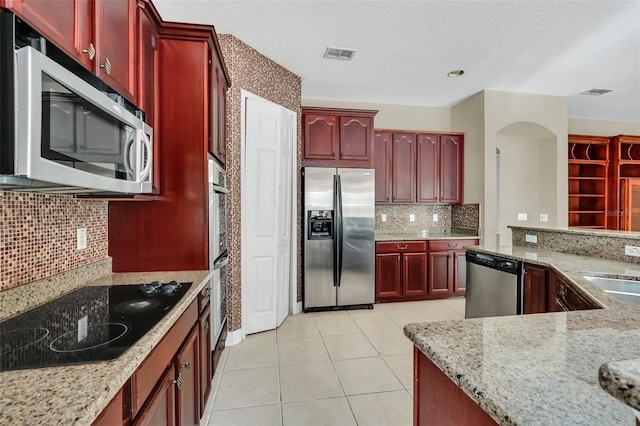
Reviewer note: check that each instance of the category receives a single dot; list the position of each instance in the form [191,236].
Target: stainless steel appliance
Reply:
[66,133]
[93,323]
[494,286]
[339,256]
[218,253]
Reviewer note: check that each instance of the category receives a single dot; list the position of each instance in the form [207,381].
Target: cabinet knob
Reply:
[91,51]
[178,382]
[186,365]
[107,66]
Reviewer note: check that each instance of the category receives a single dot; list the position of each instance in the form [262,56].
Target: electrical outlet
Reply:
[632,251]
[435,217]
[531,238]
[383,217]
[82,328]
[82,238]
[412,217]
[522,217]
[544,217]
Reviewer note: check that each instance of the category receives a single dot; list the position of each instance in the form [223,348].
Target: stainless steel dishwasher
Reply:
[494,286]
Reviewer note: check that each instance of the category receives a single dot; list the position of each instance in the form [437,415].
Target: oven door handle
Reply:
[221,261]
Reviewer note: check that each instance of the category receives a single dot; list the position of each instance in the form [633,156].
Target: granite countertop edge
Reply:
[425,235]
[618,377]
[77,394]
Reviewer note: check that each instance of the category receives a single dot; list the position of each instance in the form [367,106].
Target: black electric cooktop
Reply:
[87,325]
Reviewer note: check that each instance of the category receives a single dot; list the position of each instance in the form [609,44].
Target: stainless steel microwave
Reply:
[70,137]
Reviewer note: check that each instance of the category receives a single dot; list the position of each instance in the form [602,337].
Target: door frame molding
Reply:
[294,307]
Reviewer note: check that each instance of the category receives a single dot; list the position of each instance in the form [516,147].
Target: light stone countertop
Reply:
[422,235]
[622,380]
[77,394]
[542,369]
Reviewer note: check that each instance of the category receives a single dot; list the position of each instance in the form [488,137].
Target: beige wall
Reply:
[549,112]
[402,117]
[582,126]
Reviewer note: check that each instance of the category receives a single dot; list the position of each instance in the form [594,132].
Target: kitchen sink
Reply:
[624,290]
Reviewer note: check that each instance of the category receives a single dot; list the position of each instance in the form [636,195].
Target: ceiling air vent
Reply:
[339,53]
[596,92]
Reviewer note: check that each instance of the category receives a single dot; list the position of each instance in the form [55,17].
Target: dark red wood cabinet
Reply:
[403,170]
[401,270]
[448,267]
[188,380]
[161,407]
[217,107]
[117,412]
[437,400]
[182,138]
[425,167]
[536,288]
[100,34]
[382,165]
[335,137]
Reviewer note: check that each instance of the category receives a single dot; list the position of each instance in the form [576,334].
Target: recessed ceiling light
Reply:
[596,92]
[455,73]
[339,53]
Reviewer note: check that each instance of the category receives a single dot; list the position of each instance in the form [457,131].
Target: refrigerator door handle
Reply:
[339,229]
[335,231]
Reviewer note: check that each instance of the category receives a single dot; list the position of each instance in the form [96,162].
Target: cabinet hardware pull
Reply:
[107,66]
[91,51]
[453,245]
[404,247]
[178,381]
[186,365]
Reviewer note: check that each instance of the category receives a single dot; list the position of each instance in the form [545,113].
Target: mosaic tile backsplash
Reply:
[449,216]
[254,72]
[38,235]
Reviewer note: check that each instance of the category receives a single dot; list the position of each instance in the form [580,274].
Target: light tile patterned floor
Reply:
[325,368]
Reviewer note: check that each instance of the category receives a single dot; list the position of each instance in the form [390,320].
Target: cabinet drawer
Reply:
[204,297]
[443,245]
[401,246]
[144,379]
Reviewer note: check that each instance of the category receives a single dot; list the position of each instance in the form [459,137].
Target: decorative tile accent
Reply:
[256,73]
[465,216]
[38,235]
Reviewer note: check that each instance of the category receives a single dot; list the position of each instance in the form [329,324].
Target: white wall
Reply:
[582,126]
[401,117]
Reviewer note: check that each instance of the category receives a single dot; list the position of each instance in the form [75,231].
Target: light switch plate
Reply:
[531,238]
[412,217]
[383,217]
[544,217]
[82,238]
[522,217]
[632,251]
[435,217]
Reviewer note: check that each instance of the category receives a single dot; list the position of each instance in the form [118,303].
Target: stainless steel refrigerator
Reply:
[339,255]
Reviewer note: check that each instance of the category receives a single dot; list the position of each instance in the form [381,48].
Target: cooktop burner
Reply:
[96,323]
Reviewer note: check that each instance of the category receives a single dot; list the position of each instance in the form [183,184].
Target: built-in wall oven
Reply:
[63,130]
[218,253]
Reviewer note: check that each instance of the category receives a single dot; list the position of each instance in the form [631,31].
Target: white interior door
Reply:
[284,214]
[268,206]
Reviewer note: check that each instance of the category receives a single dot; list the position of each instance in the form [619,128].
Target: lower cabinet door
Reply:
[415,274]
[388,276]
[187,379]
[160,408]
[205,358]
[440,273]
[459,273]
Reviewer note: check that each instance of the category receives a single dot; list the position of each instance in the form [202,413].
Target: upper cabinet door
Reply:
[115,44]
[404,168]
[217,108]
[355,138]
[67,23]
[320,137]
[451,169]
[427,171]
[382,165]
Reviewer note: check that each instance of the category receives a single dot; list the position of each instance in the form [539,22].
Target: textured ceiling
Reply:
[405,48]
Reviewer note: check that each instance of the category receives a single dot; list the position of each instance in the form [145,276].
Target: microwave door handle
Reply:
[127,158]
[146,143]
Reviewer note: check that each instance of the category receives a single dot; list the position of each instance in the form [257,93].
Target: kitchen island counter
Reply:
[543,368]
[77,394]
